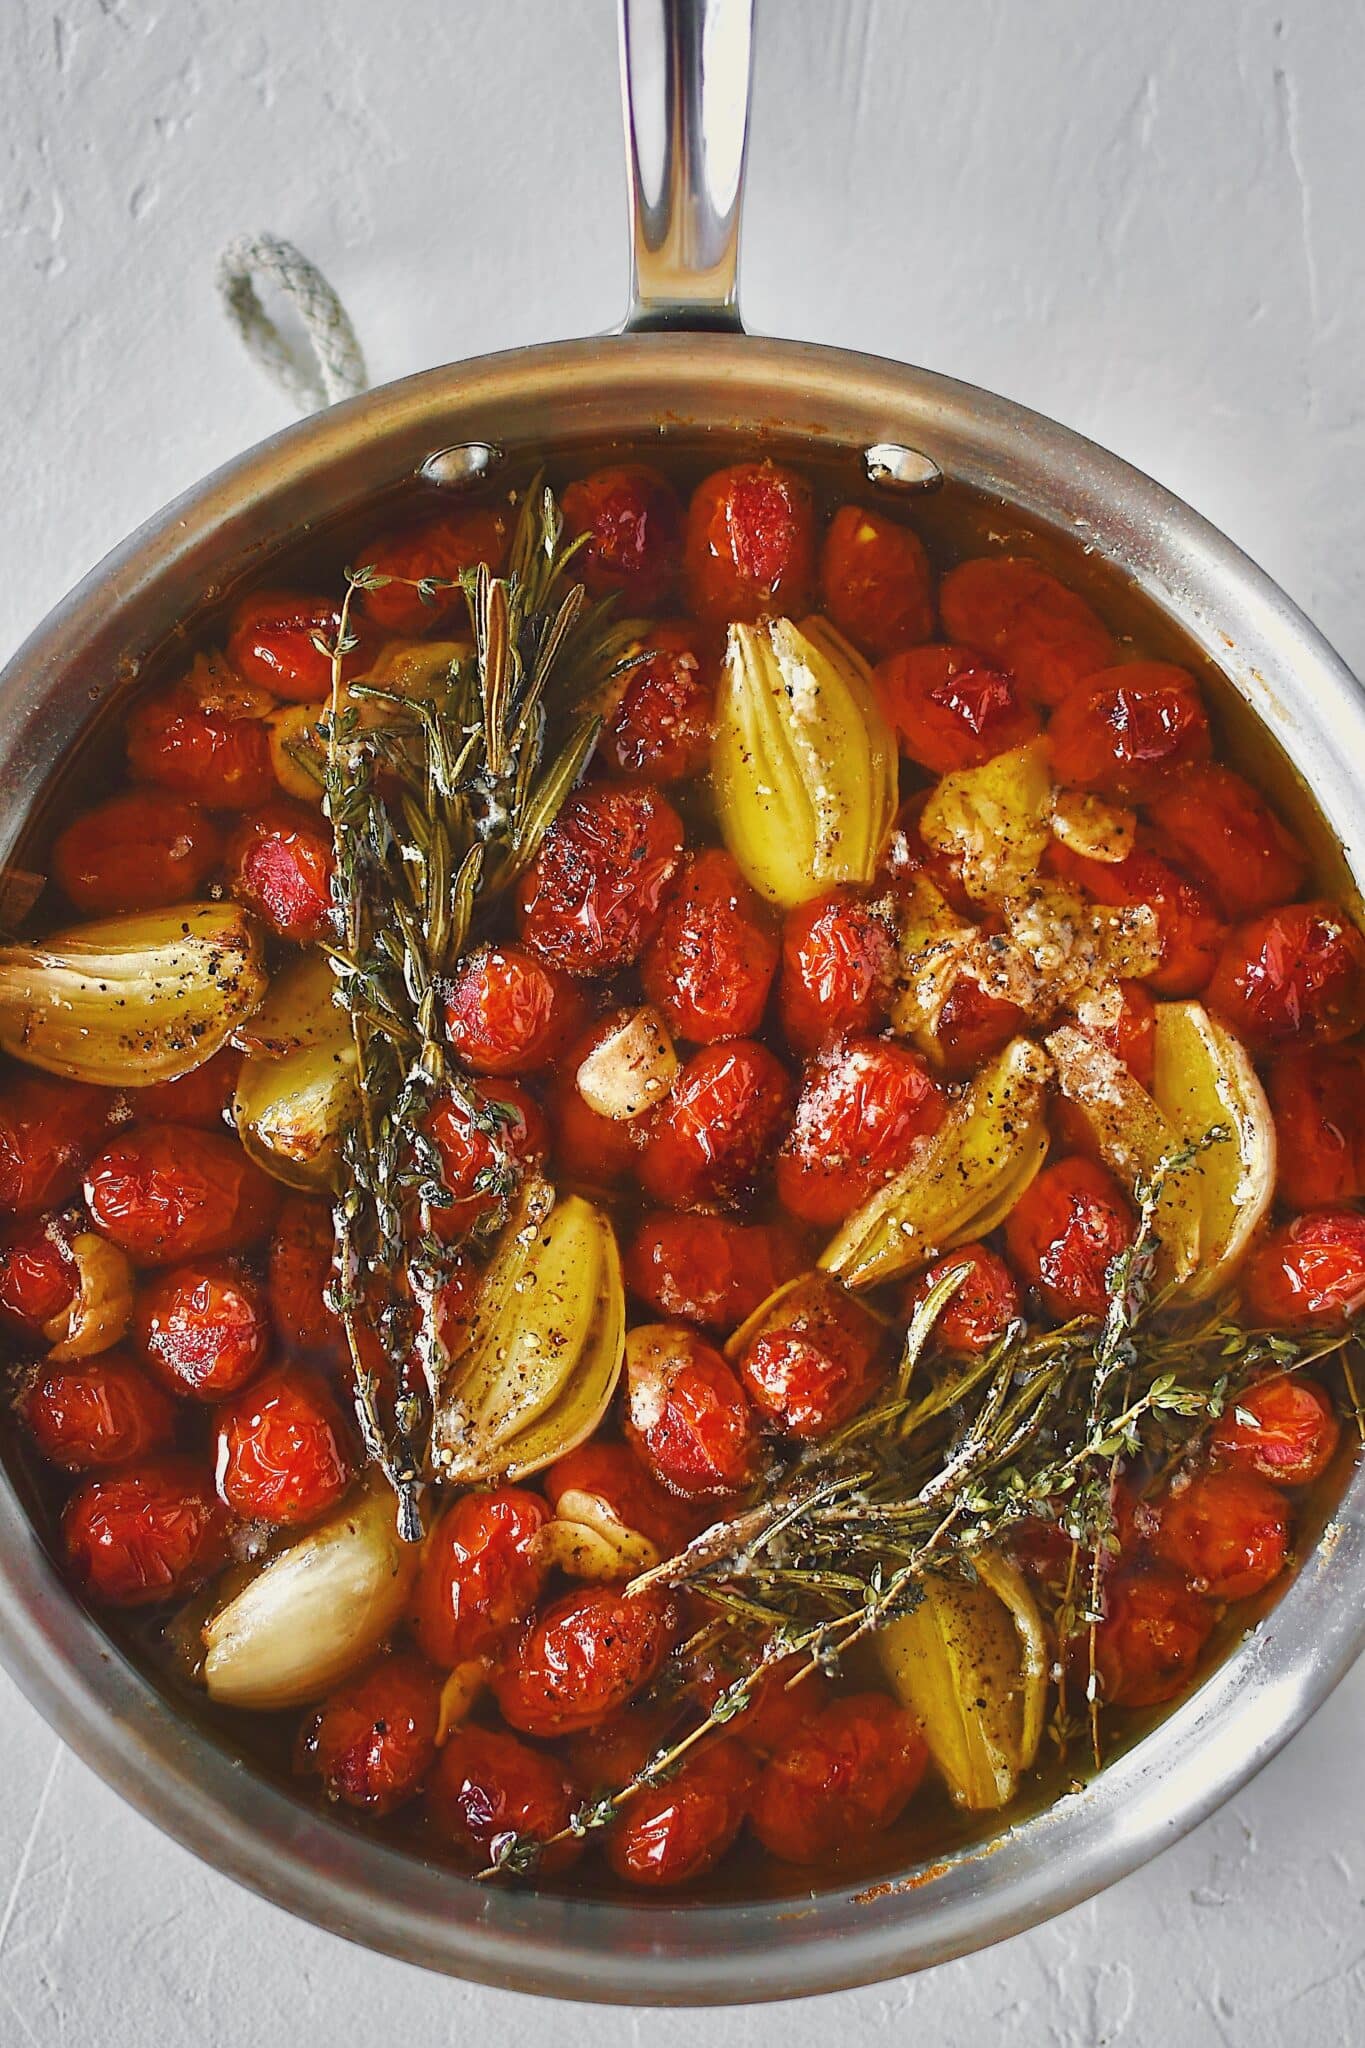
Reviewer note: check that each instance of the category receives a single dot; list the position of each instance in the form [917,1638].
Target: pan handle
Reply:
[685,97]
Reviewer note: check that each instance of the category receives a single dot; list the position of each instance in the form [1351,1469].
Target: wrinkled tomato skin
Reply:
[711,962]
[1317,1095]
[1129,731]
[373,1740]
[38,1277]
[202,1097]
[1292,975]
[688,1417]
[1063,1232]
[279,863]
[167,1192]
[487,1787]
[299,1272]
[48,1129]
[815,1363]
[951,709]
[593,896]
[469,1152]
[863,1109]
[145,1532]
[750,544]
[202,1329]
[1153,1630]
[614,1474]
[583,1658]
[1225,833]
[674,1833]
[480,1575]
[708,1269]
[139,851]
[1227,1531]
[633,522]
[1309,1273]
[1189,928]
[283,1449]
[273,640]
[439,548]
[597,1150]
[664,720]
[213,757]
[507,1012]
[710,1140]
[95,1412]
[876,582]
[982,1309]
[1045,635]
[972,1023]
[838,962]
[847,1774]
[1284,1429]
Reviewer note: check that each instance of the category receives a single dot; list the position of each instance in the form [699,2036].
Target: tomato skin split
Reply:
[1064,1231]
[750,544]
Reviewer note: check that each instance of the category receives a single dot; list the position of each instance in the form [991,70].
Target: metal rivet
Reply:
[894,467]
[466,462]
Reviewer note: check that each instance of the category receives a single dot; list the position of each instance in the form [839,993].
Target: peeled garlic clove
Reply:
[131,1000]
[631,1068]
[460,1695]
[803,765]
[298,753]
[98,1314]
[995,821]
[588,1540]
[406,668]
[1089,826]
[1203,1077]
[316,1611]
[291,1112]
[299,1009]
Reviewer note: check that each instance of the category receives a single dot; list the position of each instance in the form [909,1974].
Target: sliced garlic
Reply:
[1089,826]
[98,1313]
[631,1068]
[588,1540]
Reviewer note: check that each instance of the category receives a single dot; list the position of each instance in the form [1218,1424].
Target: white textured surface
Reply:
[1145,219]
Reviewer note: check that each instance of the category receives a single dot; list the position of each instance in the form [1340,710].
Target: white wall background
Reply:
[1144,216]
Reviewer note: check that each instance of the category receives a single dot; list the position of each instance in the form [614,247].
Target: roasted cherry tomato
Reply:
[984,1306]
[95,1411]
[48,1129]
[864,1107]
[481,1574]
[1122,1016]
[1149,1641]
[284,1452]
[509,1013]
[1227,1531]
[187,740]
[166,1192]
[614,1474]
[750,546]
[971,1024]
[838,962]
[1318,1096]
[1188,928]
[1044,634]
[712,960]
[481,1152]
[373,1740]
[38,1276]
[951,708]
[136,852]
[1292,974]
[1225,833]
[146,1532]
[599,1150]
[709,1140]
[687,1414]
[202,1329]
[670,1834]
[664,719]
[439,550]
[815,1362]
[848,1773]
[277,638]
[709,1269]
[1129,730]
[876,581]
[279,864]
[784,1698]
[202,1097]
[1308,1272]
[633,523]
[608,1755]
[1063,1232]
[584,1657]
[300,1273]
[593,896]
[488,1790]
[1284,1428]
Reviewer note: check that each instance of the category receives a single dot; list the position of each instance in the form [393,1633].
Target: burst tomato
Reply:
[95,1412]
[1292,974]
[273,639]
[1188,928]
[848,1773]
[145,1533]
[687,1414]
[663,722]
[1226,834]
[507,1012]
[480,1575]
[1044,634]
[284,1453]
[489,1790]
[984,1306]
[712,960]
[299,1275]
[671,1834]
[481,1151]
[1318,1096]
[1149,1641]
[439,549]
[1128,731]
[593,896]
[373,1740]
[750,544]
[864,1107]
[166,1192]
[633,523]
[584,1657]
[1284,1428]
[876,581]
[202,1097]
[1310,1271]
[202,1329]
[38,1276]
[1227,1531]
[951,709]
[214,754]
[838,960]
[708,1269]
[815,1362]
[279,863]
[1063,1232]
[709,1140]
[136,852]
[48,1129]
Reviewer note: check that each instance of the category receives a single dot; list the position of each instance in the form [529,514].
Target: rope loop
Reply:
[335,369]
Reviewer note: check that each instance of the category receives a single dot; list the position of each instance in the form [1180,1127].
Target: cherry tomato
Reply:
[273,639]
[38,1276]
[709,1269]
[951,709]
[202,1097]
[1308,1272]
[1284,1428]
[589,1147]
[864,1107]
[750,545]
[687,1415]
[971,1024]
[633,523]
[136,852]
[480,1576]
[1129,730]
[1044,634]
[711,962]
[584,1657]
[815,1362]
[299,1274]
[202,1329]
[284,1453]
[1122,1017]
[373,1740]
[848,1773]
[1318,1096]
[1063,1232]
[439,548]
[1226,834]
[985,1305]
[1296,973]
[481,1153]
[48,1129]
[507,1012]
[608,1755]
[838,962]
[784,1699]
[1189,929]
[488,1790]
[1153,1630]
[876,581]
[670,1834]
[613,1473]
[166,1192]
[593,896]
[145,1533]
[95,1411]
[280,865]
[1227,1531]
[710,1139]
[665,717]
[214,754]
